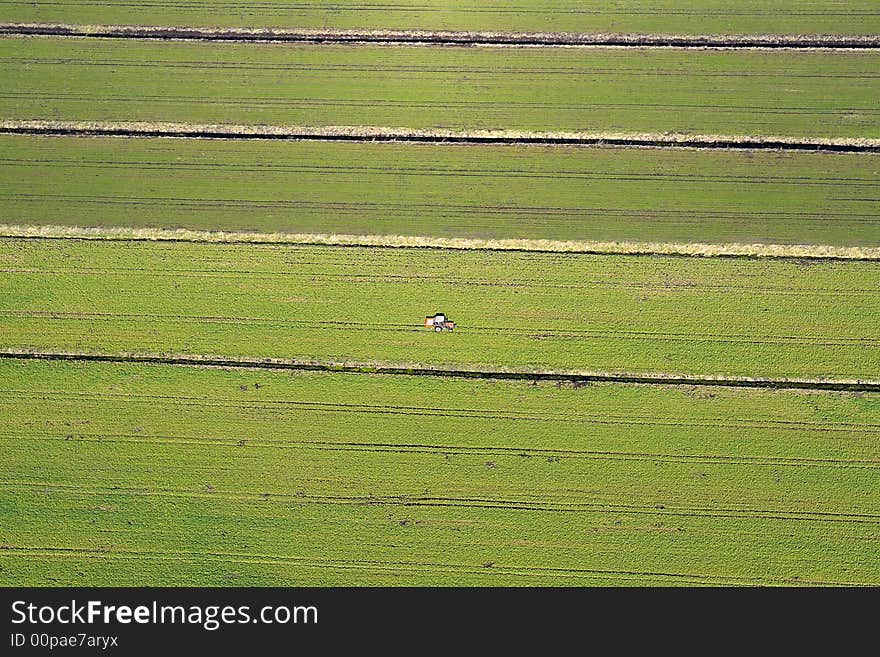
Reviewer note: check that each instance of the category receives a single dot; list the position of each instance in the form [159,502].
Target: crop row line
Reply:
[414,500]
[490,570]
[349,69]
[475,8]
[420,209]
[444,450]
[452,38]
[293,410]
[851,385]
[81,396]
[233,273]
[311,101]
[367,133]
[535,214]
[451,172]
[540,333]
[291,413]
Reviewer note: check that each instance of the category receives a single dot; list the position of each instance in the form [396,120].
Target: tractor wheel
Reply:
[437,329]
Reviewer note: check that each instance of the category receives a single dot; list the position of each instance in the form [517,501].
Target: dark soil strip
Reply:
[586,140]
[448,38]
[574,379]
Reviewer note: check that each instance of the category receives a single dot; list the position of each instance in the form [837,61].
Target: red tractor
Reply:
[439,323]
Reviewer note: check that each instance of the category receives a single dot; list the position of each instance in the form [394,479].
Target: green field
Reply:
[652,16]
[152,470]
[180,475]
[790,94]
[532,192]
[523,311]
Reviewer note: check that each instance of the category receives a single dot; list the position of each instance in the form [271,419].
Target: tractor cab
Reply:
[439,322]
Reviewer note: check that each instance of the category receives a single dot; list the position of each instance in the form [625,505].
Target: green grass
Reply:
[124,474]
[758,93]
[654,16]
[531,192]
[524,311]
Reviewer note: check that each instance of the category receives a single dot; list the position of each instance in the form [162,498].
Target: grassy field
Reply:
[651,16]
[177,475]
[759,93]
[530,192]
[523,311]
[130,473]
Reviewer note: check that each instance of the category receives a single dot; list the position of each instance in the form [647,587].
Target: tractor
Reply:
[439,323]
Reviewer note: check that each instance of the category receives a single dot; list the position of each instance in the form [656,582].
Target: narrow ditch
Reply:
[426,137]
[363,368]
[449,38]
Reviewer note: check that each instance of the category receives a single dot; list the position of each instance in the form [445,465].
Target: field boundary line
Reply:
[846,385]
[145,129]
[733,250]
[446,37]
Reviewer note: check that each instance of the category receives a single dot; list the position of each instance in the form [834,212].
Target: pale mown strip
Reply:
[394,37]
[389,133]
[404,241]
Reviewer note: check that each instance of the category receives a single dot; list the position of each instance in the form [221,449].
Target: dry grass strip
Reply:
[406,241]
[380,133]
[394,37]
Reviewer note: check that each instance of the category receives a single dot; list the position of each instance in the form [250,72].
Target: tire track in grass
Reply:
[495,570]
[421,69]
[452,450]
[410,500]
[588,420]
[419,208]
[360,131]
[537,215]
[276,405]
[451,172]
[387,133]
[231,273]
[536,332]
